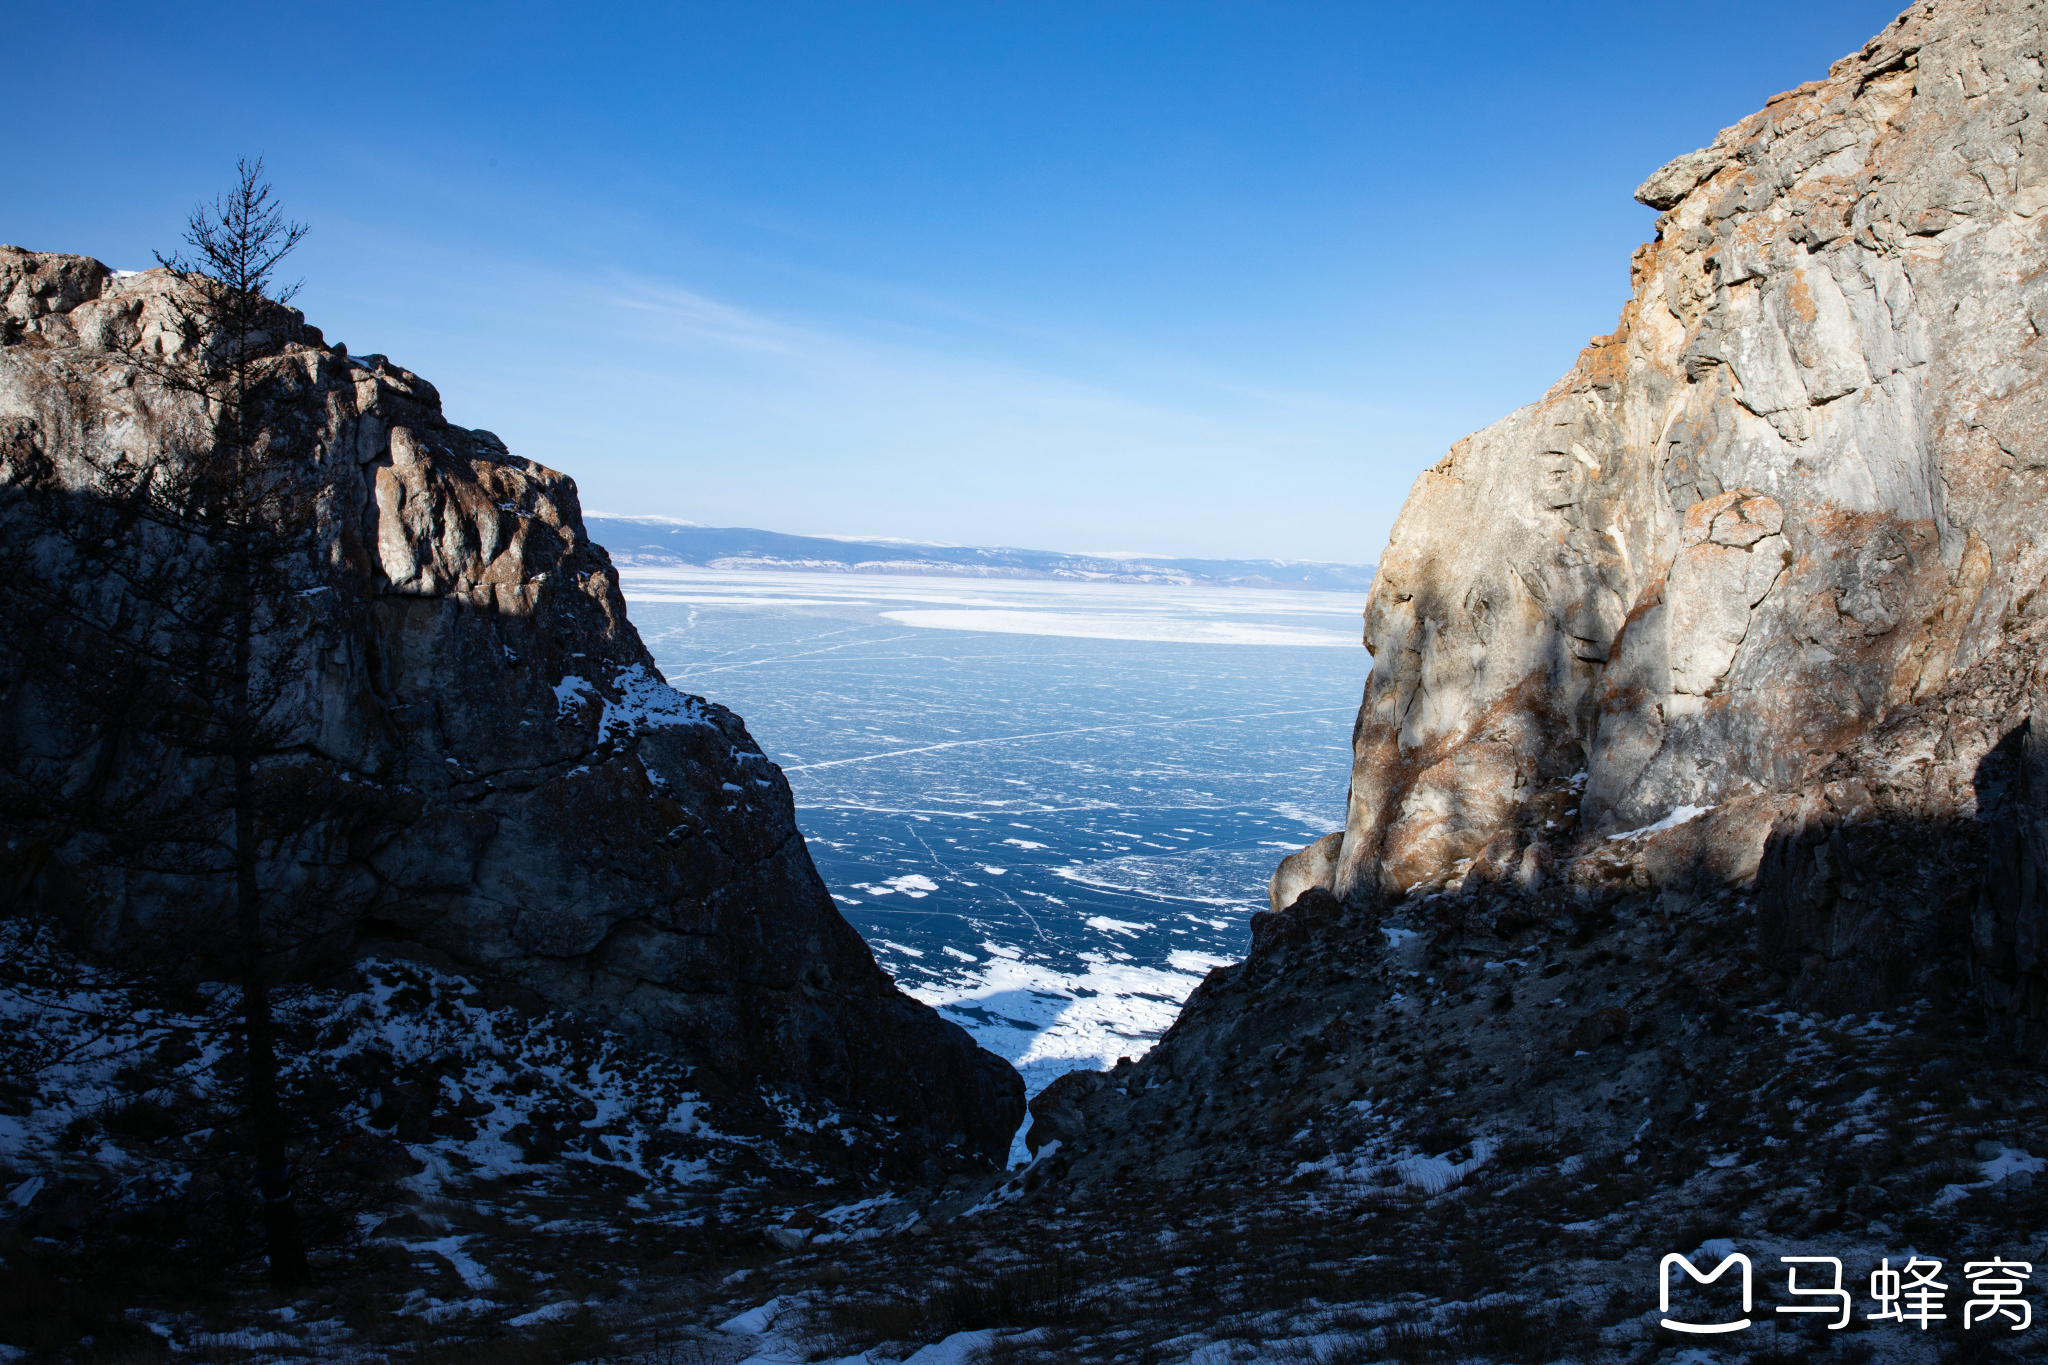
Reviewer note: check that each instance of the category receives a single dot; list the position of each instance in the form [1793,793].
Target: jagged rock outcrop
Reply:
[501,775]
[1802,488]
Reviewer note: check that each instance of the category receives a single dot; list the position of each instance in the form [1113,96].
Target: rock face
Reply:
[1931,831]
[511,782]
[1801,491]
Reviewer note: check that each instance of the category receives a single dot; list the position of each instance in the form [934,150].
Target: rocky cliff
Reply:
[1796,496]
[1697,818]
[501,778]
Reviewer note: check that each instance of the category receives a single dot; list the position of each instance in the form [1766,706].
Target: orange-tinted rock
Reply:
[1802,483]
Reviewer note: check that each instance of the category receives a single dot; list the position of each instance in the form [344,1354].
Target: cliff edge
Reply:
[1798,493]
[495,776]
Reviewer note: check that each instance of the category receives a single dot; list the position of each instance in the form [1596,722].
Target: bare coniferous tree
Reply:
[167,640]
[240,502]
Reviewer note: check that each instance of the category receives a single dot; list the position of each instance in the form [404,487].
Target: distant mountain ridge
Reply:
[659,541]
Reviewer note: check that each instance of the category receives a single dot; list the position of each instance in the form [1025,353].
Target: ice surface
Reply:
[884,593]
[2009,1161]
[450,1250]
[645,700]
[1050,837]
[961,1348]
[912,884]
[754,1320]
[570,694]
[1109,626]
[1672,821]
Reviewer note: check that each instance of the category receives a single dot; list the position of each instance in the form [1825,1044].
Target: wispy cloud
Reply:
[665,397]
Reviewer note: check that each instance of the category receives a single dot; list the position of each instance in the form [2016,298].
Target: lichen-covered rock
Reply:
[509,782]
[1803,483]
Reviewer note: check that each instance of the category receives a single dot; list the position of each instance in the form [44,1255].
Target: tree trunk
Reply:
[286,1249]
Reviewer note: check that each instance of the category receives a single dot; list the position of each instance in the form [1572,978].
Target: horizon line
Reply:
[1115,556]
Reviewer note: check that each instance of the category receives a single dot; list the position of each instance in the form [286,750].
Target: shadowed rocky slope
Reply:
[499,777]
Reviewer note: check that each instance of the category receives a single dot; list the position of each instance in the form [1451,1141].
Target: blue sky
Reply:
[1188,278]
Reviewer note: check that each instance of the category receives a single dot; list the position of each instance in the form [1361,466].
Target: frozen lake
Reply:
[1048,807]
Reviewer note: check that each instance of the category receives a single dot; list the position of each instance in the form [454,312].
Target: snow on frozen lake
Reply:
[1049,807]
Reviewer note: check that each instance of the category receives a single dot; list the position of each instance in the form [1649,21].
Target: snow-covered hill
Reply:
[657,541]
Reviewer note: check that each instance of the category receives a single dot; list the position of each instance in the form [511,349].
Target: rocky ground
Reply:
[1469,1131]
